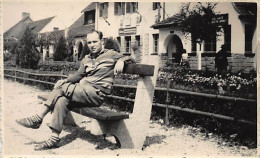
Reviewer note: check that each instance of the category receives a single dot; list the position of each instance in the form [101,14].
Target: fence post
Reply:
[167,104]
[62,72]
[15,73]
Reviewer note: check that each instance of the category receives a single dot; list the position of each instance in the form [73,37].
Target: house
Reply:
[130,23]
[43,27]
[238,22]
[150,26]
[16,32]
[80,28]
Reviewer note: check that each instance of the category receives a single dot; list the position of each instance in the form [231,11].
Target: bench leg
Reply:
[128,133]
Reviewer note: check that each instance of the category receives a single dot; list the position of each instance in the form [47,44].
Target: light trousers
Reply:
[69,96]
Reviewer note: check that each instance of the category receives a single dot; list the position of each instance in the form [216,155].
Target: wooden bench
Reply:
[128,130]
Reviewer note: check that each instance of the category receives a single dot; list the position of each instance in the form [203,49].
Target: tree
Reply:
[26,53]
[111,43]
[60,53]
[198,21]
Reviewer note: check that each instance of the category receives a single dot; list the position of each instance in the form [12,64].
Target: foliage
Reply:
[26,53]
[60,53]
[58,66]
[111,43]
[8,56]
[198,21]
[180,77]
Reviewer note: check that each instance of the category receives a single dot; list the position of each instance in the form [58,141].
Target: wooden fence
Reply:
[167,90]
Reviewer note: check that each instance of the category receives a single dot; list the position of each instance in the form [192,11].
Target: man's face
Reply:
[94,43]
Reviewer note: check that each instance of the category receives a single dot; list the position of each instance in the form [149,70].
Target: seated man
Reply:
[88,87]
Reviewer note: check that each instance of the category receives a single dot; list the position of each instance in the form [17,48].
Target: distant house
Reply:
[41,27]
[238,23]
[16,32]
[80,28]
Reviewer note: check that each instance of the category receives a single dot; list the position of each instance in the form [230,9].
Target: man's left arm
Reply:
[121,62]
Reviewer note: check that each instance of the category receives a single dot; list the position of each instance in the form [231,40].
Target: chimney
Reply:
[24,15]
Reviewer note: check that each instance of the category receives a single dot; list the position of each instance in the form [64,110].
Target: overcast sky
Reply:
[67,11]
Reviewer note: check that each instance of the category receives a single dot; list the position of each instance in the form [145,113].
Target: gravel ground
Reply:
[21,100]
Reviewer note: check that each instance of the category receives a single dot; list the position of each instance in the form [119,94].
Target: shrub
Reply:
[111,43]
[60,53]
[26,53]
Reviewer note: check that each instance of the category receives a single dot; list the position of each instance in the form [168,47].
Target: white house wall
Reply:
[55,22]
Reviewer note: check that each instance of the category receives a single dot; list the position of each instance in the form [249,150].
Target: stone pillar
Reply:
[199,51]
[44,54]
[145,44]
[122,48]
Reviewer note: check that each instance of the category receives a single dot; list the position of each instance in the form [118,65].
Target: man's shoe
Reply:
[30,122]
[51,143]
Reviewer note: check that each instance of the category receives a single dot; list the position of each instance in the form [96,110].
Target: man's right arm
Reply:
[75,78]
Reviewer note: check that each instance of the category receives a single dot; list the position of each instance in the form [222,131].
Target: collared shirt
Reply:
[99,71]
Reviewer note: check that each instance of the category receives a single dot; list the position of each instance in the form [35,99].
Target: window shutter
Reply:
[116,8]
[93,16]
[101,10]
[106,9]
[123,8]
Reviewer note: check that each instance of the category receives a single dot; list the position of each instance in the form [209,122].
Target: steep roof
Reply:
[244,8]
[91,6]
[37,26]
[171,21]
[53,34]
[18,29]
[78,29]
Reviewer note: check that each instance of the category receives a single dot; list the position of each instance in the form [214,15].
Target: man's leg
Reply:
[59,114]
[36,120]
[72,93]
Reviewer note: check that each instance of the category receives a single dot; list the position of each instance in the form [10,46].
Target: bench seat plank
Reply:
[101,114]
[96,112]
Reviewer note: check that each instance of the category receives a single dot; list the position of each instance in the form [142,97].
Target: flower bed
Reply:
[180,77]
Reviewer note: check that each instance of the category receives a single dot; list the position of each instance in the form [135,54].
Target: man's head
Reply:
[95,41]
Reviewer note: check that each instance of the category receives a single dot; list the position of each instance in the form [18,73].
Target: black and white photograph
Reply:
[126,79]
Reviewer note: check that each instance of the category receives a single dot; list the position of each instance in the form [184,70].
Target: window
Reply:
[227,37]
[210,45]
[119,40]
[155,43]
[127,44]
[131,7]
[193,45]
[248,38]
[119,8]
[103,10]
[156,5]
[137,40]
[89,17]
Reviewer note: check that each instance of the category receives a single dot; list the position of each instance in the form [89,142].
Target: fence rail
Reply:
[167,90]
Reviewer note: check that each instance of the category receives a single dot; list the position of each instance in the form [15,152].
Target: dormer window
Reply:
[119,8]
[131,7]
[156,5]
[89,17]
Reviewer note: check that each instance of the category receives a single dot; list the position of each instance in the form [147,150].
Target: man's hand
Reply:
[119,67]
[59,83]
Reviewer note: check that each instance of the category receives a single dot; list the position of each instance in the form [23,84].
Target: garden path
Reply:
[21,100]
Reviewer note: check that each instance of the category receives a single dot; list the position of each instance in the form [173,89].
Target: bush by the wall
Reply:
[27,55]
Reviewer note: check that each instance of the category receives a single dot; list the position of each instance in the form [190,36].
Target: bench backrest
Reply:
[147,71]
[139,69]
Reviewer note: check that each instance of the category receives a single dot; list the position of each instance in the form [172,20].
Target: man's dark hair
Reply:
[100,34]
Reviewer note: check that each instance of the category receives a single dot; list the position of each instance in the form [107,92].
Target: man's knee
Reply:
[68,89]
[62,102]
